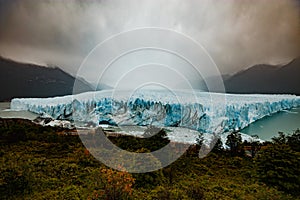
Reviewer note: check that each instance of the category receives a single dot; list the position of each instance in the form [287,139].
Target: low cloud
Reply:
[237,34]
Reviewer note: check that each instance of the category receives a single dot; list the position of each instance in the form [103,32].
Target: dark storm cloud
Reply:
[236,33]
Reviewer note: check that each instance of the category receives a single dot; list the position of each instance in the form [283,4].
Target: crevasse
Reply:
[201,111]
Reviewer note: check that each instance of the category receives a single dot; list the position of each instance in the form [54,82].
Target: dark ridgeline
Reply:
[28,80]
[267,79]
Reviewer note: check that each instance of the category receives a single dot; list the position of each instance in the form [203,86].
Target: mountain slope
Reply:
[28,80]
[267,79]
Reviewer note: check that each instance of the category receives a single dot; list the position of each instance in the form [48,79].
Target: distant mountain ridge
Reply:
[29,80]
[267,79]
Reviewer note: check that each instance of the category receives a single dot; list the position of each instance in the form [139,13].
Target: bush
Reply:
[165,193]
[195,191]
[13,182]
[279,166]
[116,185]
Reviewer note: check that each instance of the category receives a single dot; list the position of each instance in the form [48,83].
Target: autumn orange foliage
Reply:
[117,184]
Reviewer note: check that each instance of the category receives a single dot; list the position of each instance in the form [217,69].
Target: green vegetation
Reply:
[50,163]
[279,164]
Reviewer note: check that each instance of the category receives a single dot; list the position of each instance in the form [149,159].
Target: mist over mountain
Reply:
[268,79]
[28,80]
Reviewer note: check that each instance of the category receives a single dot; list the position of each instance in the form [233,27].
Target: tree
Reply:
[193,150]
[281,139]
[200,140]
[294,140]
[254,145]
[116,185]
[155,138]
[279,166]
[218,146]
[14,181]
[234,142]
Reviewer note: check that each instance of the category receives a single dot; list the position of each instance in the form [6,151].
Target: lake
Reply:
[268,127]
[6,113]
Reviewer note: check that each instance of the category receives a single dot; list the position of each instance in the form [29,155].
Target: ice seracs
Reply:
[201,111]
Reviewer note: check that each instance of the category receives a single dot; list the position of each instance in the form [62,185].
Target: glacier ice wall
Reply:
[201,111]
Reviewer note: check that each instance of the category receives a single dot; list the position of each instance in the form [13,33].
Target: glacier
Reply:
[201,111]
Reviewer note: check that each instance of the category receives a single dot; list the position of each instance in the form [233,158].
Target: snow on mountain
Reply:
[201,111]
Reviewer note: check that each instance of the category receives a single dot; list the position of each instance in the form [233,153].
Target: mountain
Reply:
[29,80]
[267,79]
[101,86]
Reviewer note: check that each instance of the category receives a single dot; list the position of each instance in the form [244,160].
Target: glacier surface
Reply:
[201,111]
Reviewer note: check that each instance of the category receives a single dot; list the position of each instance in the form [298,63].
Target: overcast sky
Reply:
[236,34]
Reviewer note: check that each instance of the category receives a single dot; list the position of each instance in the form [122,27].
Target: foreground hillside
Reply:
[51,163]
[27,80]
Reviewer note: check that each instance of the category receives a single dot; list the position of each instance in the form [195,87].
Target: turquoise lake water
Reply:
[5,113]
[268,127]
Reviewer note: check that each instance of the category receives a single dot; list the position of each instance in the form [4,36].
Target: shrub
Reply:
[116,185]
[166,193]
[195,191]
[279,166]
[13,182]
